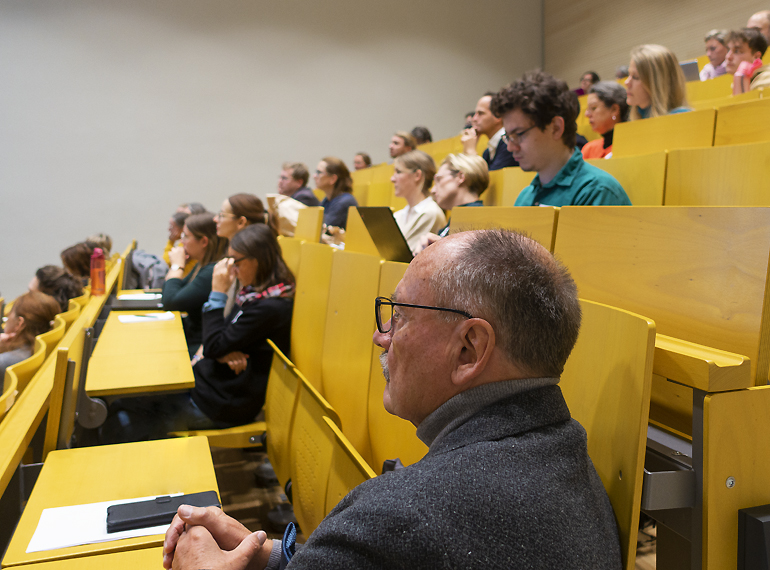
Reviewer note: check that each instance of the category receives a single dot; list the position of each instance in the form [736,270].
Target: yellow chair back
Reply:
[310,457]
[347,341]
[311,299]
[643,176]
[8,396]
[348,468]
[734,175]
[52,337]
[682,130]
[26,369]
[290,252]
[606,384]
[539,223]
[309,224]
[743,123]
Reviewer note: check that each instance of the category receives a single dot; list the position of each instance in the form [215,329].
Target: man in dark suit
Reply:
[496,155]
[474,341]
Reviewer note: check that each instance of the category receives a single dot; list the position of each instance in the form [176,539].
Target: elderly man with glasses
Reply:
[474,340]
[539,113]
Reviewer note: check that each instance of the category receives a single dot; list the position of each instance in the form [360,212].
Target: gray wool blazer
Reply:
[512,487]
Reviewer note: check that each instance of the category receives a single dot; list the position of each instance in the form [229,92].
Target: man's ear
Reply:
[557,123]
[476,344]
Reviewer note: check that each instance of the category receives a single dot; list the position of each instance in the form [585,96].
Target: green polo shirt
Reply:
[576,184]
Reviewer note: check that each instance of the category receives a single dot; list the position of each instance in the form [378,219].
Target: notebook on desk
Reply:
[385,233]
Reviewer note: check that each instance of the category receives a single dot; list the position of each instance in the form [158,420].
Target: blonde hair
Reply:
[662,77]
[474,168]
[419,160]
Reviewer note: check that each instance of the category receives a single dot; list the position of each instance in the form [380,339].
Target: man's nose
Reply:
[382,339]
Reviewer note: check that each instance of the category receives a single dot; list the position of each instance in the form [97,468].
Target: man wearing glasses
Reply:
[474,340]
[539,113]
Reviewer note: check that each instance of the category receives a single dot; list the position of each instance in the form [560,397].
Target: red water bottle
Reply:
[97,272]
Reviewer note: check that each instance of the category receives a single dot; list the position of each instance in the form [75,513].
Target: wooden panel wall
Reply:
[583,35]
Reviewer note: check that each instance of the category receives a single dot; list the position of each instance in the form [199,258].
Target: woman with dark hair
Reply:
[31,314]
[201,243]
[227,391]
[333,177]
[239,211]
[77,260]
[57,283]
[605,108]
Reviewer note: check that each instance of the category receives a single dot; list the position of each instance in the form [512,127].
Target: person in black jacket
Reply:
[484,122]
[231,377]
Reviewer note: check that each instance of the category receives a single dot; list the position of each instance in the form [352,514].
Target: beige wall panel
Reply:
[113,112]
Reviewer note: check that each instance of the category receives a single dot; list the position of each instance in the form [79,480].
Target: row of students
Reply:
[239,293]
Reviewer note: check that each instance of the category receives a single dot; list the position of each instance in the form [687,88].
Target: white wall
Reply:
[112,112]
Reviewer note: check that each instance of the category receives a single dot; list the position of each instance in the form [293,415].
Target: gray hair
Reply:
[612,93]
[516,285]
[718,35]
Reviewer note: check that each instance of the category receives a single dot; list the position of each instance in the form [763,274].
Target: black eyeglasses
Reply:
[237,260]
[383,312]
[516,138]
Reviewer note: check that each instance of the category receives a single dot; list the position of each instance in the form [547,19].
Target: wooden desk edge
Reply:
[700,367]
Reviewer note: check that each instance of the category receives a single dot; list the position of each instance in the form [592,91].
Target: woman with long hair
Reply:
[201,243]
[655,85]
[31,314]
[227,391]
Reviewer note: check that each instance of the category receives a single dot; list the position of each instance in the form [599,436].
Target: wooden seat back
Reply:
[539,223]
[290,249]
[682,130]
[508,185]
[606,384]
[700,273]
[743,123]
[26,369]
[311,299]
[52,337]
[347,341]
[309,224]
[348,469]
[643,176]
[709,89]
[734,175]
[280,406]
[310,454]
[8,397]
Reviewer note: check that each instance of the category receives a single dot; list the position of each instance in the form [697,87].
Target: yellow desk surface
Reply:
[144,559]
[107,473]
[136,358]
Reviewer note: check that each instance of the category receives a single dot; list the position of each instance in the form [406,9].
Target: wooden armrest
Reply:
[700,367]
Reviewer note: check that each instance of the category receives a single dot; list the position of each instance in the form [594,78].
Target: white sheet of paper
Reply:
[62,527]
[148,318]
[139,296]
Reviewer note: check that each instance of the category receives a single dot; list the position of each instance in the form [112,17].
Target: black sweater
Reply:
[219,392]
